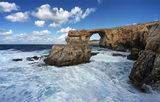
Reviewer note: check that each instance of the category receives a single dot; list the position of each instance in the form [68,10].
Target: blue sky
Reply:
[48,21]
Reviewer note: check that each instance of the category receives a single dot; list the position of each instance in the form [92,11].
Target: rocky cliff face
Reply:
[120,38]
[143,38]
[146,70]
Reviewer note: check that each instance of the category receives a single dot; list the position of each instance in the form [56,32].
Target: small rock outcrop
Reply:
[32,58]
[146,70]
[118,54]
[71,54]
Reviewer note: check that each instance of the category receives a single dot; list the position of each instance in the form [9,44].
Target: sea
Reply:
[103,79]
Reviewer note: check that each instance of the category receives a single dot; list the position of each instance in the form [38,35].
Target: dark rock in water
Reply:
[63,55]
[32,58]
[142,67]
[17,59]
[146,70]
[29,59]
[35,58]
[94,53]
[134,54]
[118,54]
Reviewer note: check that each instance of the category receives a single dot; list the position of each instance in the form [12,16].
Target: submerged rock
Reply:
[146,70]
[71,54]
[118,54]
[32,58]
[17,59]
[94,53]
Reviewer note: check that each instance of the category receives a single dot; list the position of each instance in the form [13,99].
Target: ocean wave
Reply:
[104,79]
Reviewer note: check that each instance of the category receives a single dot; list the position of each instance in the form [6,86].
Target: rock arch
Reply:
[145,37]
[83,36]
[119,38]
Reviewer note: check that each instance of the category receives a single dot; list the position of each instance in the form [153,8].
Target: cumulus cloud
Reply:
[43,32]
[60,16]
[18,17]
[7,7]
[39,23]
[7,33]
[64,30]
[45,12]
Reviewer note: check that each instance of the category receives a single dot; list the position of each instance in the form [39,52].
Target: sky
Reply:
[48,21]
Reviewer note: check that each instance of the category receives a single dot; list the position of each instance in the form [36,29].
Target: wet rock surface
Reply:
[34,58]
[94,53]
[17,59]
[118,54]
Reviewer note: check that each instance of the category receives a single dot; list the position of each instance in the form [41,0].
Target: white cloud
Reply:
[77,14]
[7,7]
[99,1]
[60,16]
[43,32]
[45,12]
[63,37]
[29,39]
[7,33]
[87,12]
[39,23]
[18,17]
[65,33]
[64,30]
[54,25]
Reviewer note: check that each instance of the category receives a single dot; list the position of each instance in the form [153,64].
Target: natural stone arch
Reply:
[83,36]
[102,35]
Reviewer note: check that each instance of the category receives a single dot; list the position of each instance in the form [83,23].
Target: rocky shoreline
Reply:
[143,40]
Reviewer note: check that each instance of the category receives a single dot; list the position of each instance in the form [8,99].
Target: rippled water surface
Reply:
[104,79]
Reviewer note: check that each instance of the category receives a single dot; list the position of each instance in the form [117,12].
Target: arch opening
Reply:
[97,38]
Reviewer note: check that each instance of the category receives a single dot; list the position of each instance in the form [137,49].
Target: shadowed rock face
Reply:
[120,38]
[146,70]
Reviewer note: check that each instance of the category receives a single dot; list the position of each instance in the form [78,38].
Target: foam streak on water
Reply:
[104,79]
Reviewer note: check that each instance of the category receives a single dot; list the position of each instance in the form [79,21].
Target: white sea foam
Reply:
[104,79]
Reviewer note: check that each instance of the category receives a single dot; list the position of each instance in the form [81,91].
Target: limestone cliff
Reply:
[119,38]
[146,70]
[143,38]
